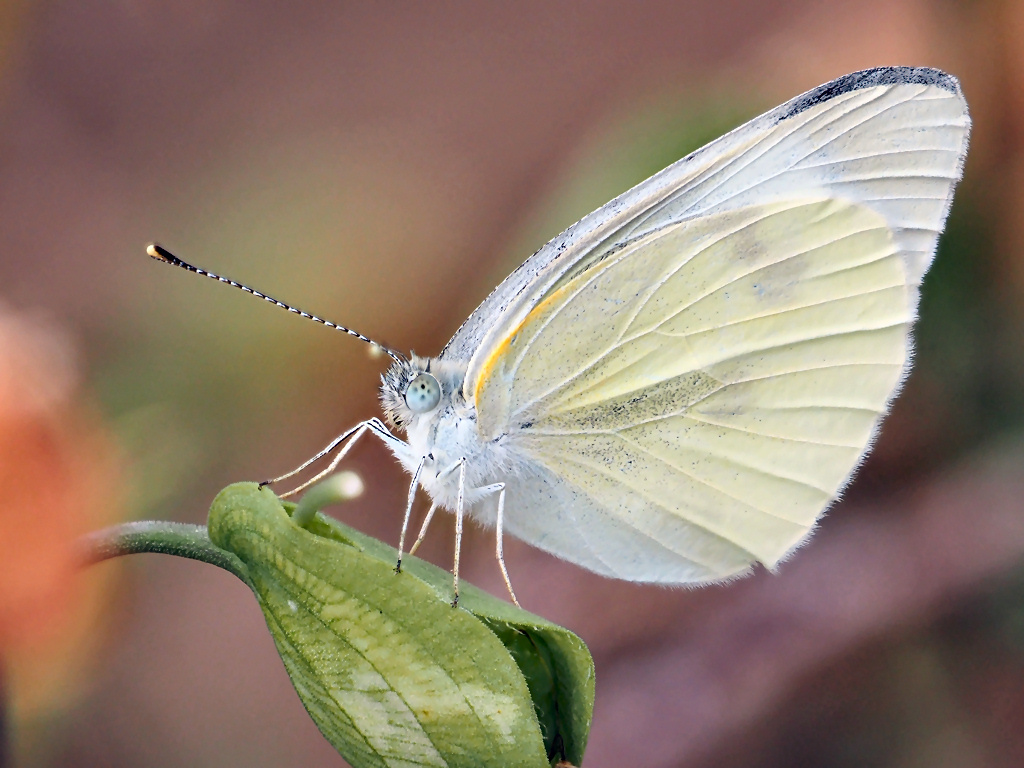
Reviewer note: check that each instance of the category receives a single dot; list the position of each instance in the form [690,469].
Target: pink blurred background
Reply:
[385,166]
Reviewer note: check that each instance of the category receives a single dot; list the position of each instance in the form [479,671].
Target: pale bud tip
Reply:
[348,484]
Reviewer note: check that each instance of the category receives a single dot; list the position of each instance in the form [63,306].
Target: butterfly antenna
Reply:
[162,254]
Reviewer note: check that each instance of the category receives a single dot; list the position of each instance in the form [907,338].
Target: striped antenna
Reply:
[162,254]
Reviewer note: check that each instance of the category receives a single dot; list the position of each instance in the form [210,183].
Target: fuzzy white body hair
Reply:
[440,438]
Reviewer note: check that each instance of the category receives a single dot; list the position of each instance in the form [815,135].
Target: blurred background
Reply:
[385,166]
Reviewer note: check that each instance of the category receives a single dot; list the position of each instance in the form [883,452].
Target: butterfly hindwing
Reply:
[712,384]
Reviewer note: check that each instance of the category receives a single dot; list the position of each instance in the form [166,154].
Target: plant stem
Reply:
[181,539]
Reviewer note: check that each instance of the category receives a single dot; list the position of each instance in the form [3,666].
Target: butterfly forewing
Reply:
[893,139]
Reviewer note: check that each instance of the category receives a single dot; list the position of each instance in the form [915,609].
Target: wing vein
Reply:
[825,118]
[758,433]
[846,131]
[775,314]
[896,152]
[712,486]
[735,278]
[591,362]
[582,462]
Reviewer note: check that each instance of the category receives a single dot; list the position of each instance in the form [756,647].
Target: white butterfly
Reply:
[680,384]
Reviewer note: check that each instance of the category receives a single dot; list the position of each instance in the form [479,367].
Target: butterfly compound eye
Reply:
[423,393]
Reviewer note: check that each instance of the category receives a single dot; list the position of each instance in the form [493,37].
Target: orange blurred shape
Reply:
[58,480]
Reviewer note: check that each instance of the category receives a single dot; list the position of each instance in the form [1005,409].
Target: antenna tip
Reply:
[160,254]
[378,350]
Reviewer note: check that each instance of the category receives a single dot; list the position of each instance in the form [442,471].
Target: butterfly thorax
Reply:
[444,435]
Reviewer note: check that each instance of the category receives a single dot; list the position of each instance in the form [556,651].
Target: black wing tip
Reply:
[869,78]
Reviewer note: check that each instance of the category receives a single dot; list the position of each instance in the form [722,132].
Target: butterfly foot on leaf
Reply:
[398,566]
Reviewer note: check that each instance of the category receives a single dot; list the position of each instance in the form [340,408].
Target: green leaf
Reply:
[389,671]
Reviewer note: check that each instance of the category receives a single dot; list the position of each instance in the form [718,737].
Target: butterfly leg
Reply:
[357,430]
[499,488]
[423,529]
[375,426]
[408,511]
[330,467]
[459,513]
[460,509]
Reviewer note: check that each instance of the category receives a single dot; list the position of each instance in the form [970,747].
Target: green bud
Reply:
[389,671]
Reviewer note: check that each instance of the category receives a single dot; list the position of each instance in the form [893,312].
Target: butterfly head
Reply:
[418,387]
